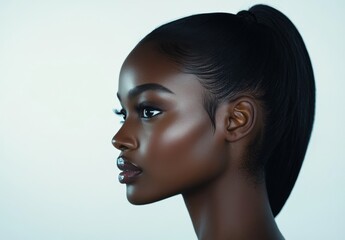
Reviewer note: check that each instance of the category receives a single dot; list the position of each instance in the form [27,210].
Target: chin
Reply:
[136,197]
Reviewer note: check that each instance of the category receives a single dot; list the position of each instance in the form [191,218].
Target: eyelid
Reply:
[147,105]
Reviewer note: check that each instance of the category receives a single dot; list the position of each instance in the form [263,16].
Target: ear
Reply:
[241,118]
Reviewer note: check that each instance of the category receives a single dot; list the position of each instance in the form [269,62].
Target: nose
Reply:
[125,140]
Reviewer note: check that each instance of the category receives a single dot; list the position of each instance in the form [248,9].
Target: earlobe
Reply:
[240,119]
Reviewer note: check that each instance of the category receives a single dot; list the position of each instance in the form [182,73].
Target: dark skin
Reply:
[169,135]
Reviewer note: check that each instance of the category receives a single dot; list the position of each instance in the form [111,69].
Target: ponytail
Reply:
[290,119]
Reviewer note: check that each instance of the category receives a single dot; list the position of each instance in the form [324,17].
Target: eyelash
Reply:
[142,110]
[121,112]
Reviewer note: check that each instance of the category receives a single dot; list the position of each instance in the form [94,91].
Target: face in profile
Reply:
[167,141]
[218,107]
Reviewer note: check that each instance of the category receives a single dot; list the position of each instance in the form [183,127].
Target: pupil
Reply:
[148,113]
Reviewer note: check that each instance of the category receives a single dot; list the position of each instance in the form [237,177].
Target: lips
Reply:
[129,171]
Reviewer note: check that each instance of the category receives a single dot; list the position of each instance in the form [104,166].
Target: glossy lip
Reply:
[129,171]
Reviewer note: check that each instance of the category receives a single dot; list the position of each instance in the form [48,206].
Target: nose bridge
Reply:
[126,137]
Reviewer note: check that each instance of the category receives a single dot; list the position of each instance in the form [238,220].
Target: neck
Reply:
[231,207]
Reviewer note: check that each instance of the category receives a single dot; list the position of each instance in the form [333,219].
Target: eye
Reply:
[121,112]
[149,112]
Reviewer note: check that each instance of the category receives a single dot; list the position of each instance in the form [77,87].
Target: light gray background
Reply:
[59,64]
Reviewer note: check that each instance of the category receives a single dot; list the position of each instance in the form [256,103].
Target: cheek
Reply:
[181,152]
[179,137]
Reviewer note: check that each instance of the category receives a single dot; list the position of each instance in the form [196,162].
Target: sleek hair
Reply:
[260,53]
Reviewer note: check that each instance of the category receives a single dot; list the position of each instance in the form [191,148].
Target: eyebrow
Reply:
[146,87]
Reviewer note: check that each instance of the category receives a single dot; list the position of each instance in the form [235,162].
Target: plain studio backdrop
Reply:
[59,67]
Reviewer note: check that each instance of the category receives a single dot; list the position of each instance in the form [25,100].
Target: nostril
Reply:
[118,145]
[123,148]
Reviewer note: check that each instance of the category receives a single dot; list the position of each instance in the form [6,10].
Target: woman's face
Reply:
[167,142]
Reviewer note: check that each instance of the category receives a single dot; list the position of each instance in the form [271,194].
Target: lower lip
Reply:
[128,176]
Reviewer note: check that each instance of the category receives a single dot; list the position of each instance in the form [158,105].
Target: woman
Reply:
[220,108]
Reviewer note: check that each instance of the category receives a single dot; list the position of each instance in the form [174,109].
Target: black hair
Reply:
[260,53]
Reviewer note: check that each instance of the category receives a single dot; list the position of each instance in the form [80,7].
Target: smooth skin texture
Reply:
[169,135]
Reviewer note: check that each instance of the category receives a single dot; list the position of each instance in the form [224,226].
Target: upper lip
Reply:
[125,165]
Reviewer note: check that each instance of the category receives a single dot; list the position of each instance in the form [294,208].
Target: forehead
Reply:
[147,60]
[145,65]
